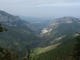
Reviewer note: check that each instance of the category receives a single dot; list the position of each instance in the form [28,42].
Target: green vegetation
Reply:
[28,56]
[44,49]
[66,30]
[6,54]
[19,39]
[59,51]
[63,52]
[2,28]
[58,44]
[76,53]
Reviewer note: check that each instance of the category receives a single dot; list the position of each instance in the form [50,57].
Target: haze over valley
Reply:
[39,30]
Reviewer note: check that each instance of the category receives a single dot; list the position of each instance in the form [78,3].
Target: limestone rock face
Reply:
[57,22]
[11,20]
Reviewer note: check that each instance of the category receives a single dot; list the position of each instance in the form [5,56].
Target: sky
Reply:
[42,8]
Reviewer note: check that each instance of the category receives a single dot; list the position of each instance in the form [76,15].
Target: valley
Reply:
[47,39]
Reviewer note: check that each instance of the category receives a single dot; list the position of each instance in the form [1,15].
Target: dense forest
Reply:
[68,50]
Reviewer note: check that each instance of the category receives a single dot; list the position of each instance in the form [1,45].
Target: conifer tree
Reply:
[28,57]
[76,54]
[6,54]
[2,28]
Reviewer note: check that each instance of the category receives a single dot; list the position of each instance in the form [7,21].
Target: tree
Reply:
[28,57]
[2,28]
[6,54]
[76,54]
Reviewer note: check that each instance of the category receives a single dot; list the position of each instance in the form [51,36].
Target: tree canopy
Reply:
[2,28]
[76,54]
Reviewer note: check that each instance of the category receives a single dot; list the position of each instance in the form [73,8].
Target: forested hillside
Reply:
[22,41]
[20,34]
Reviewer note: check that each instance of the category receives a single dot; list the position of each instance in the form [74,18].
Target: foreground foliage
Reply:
[76,54]
[6,54]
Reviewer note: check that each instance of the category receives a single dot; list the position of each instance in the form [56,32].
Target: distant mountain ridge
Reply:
[55,23]
[38,23]
[20,35]
[11,20]
[60,29]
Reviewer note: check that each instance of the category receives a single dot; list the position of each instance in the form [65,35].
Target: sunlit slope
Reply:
[62,52]
[44,49]
[59,29]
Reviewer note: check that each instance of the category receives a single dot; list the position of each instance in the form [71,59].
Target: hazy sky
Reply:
[42,8]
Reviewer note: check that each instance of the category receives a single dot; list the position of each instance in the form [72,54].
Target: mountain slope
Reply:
[60,29]
[62,52]
[20,35]
[11,20]
[38,23]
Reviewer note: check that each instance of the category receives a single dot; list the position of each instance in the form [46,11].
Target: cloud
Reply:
[39,2]
[58,4]
[41,7]
[10,1]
